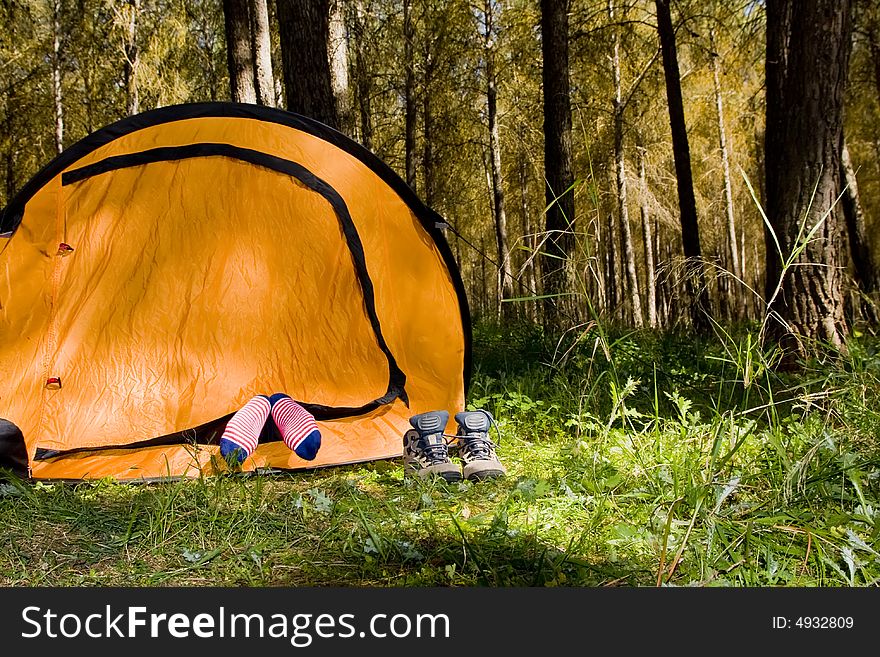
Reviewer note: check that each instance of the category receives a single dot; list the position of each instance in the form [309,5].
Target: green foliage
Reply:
[633,460]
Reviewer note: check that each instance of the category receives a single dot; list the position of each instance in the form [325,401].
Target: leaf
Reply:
[857,543]
[8,490]
[192,555]
[199,557]
[731,486]
[321,501]
[542,488]
[850,560]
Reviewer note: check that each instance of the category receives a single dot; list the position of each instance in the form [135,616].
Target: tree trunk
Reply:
[505,275]
[132,59]
[874,46]
[560,217]
[304,28]
[647,241]
[10,150]
[725,170]
[239,57]
[337,46]
[629,254]
[363,77]
[531,238]
[428,127]
[56,76]
[695,279]
[860,252]
[612,266]
[409,90]
[264,80]
[808,46]
[600,264]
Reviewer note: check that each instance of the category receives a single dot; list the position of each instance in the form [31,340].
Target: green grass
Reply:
[633,459]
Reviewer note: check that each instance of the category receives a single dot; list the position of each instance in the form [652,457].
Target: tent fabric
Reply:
[164,270]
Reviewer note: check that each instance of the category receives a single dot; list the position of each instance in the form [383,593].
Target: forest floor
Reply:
[633,460]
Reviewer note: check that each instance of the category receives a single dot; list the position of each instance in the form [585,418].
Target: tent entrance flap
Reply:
[165,269]
[326,352]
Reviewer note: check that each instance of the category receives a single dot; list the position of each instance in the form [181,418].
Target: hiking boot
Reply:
[476,450]
[425,451]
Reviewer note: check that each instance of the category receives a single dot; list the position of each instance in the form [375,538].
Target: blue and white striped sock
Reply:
[242,433]
[297,426]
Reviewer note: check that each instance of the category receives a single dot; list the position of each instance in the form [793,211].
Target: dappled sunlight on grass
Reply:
[661,465]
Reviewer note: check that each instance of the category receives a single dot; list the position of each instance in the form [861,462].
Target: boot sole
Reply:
[485,474]
[450,476]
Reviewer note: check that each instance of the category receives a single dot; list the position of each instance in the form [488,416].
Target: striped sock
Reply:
[297,426]
[242,433]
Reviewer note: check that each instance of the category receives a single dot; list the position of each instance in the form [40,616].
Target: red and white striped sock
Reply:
[297,426]
[242,433]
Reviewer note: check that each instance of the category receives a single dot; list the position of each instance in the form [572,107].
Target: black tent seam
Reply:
[211,432]
[201,435]
[11,216]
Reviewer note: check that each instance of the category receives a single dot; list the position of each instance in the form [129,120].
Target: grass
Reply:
[633,460]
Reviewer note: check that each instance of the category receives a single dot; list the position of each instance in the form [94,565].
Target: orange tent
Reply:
[164,270]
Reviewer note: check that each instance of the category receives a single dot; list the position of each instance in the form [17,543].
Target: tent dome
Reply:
[167,268]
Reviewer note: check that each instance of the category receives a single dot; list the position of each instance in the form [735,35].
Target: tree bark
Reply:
[264,80]
[558,168]
[304,28]
[428,126]
[629,255]
[874,46]
[648,243]
[695,279]
[337,46]
[132,59]
[10,150]
[808,47]
[362,74]
[56,76]
[725,169]
[531,238]
[860,252]
[409,87]
[613,274]
[505,274]
[239,57]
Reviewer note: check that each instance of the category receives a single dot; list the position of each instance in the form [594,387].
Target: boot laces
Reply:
[434,452]
[478,446]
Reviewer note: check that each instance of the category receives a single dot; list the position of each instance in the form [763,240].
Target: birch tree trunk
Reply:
[132,59]
[56,76]
[428,125]
[409,86]
[531,238]
[264,80]
[860,252]
[648,243]
[505,275]
[620,175]
[725,169]
[10,151]
[337,47]
[363,79]
[612,266]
